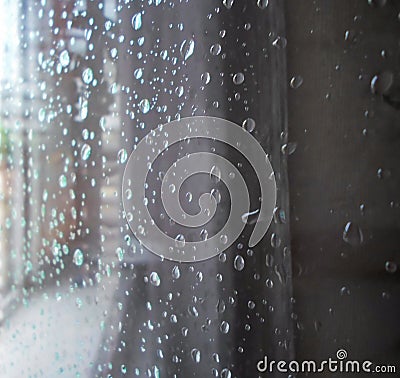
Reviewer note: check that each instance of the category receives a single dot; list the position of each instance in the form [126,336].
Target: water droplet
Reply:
[155,279]
[180,241]
[62,181]
[221,306]
[380,84]
[296,82]
[215,174]
[215,49]
[280,42]
[391,266]
[249,124]
[86,151]
[223,239]
[226,373]
[352,234]
[377,3]
[289,148]
[205,78]
[137,21]
[144,105]
[196,355]
[64,58]
[176,273]
[262,4]
[344,291]
[239,263]
[224,327]
[138,73]
[87,75]
[228,3]
[187,48]
[78,257]
[238,78]
[122,155]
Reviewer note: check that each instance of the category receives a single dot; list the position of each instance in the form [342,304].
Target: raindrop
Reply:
[238,263]
[226,373]
[296,82]
[196,355]
[391,266]
[64,58]
[377,3]
[352,234]
[289,148]
[138,73]
[87,75]
[122,156]
[187,48]
[78,257]
[380,84]
[155,279]
[205,78]
[221,306]
[180,241]
[224,327]
[86,151]
[215,49]
[137,21]
[238,78]
[280,42]
[215,174]
[176,273]
[262,4]
[144,105]
[249,124]
[223,239]
[62,181]
[228,3]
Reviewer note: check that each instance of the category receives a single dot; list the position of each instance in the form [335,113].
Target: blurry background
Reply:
[316,82]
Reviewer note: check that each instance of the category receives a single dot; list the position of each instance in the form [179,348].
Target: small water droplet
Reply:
[87,75]
[352,234]
[78,257]
[239,263]
[215,49]
[296,82]
[144,105]
[155,279]
[138,73]
[228,3]
[180,241]
[238,78]
[86,151]
[64,58]
[226,373]
[224,327]
[262,4]
[279,42]
[137,21]
[223,239]
[391,266]
[196,355]
[249,124]
[62,181]
[187,48]
[205,78]
[122,156]
[176,273]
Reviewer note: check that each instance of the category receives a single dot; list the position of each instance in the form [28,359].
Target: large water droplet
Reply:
[144,105]
[187,48]
[87,75]
[224,327]
[64,58]
[196,355]
[296,82]
[176,273]
[215,49]
[380,84]
[238,78]
[280,42]
[249,124]
[352,234]
[155,279]
[62,181]
[86,151]
[391,267]
[228,3]
[137,21]
[180,241]
[262,4]
[239,263]
[78,257]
